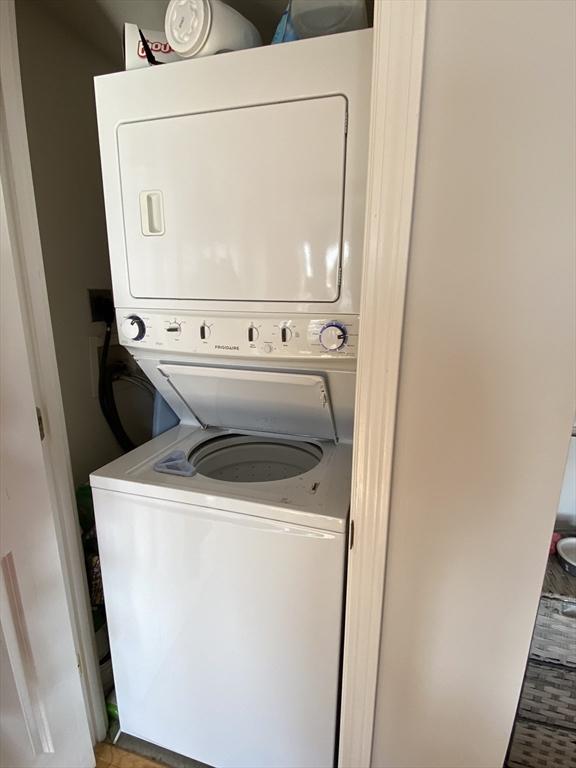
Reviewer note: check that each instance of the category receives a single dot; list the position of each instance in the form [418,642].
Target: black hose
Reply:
[106,395]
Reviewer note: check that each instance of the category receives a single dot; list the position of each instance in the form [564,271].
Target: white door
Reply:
[43,720]
[240,204]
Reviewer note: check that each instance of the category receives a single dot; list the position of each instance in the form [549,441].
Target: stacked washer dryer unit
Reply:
[234,190]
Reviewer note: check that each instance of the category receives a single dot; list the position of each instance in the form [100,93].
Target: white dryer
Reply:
[236,183]
[234,189]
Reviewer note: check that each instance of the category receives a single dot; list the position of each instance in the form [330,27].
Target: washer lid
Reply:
[260,401]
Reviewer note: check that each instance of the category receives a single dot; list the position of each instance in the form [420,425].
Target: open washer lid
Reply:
[295,404]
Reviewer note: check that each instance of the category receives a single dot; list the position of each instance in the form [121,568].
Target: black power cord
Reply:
[108,374]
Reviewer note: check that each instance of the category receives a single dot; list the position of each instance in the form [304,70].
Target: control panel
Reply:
[236,335]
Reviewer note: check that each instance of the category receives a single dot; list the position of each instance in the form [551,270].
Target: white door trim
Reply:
[399,33]
[20,201]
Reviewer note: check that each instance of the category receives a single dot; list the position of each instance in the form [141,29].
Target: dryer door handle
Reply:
[152,213]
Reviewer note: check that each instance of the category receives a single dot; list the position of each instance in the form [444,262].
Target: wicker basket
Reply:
[554,637]
[537,746]
[549,696]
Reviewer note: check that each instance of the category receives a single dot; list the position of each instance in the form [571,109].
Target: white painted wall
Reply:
[58,66]
[487,383]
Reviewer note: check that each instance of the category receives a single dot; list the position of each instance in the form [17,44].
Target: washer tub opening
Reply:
[250,459]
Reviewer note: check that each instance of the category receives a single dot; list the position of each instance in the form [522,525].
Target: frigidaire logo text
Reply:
[227,346]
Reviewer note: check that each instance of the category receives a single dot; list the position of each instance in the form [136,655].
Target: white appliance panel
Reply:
[241,204]
[238,335]
[255,400]
[341,387]
[224,629]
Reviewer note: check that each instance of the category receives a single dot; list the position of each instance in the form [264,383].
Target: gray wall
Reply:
[57,68]
[487,385]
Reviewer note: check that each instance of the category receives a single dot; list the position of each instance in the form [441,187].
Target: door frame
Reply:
[16,172]
[399,34]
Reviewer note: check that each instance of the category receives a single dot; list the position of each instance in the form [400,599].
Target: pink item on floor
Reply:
[555,539]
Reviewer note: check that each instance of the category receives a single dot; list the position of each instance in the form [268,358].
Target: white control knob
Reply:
[333,336]
[134,328]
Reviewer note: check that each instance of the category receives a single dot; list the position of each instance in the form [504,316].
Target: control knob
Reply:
[134,328]
[204,331]
[333,336]
[174,327]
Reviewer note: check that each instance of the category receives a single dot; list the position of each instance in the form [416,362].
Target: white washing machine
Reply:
[234,190]
[223,550]
[224,594]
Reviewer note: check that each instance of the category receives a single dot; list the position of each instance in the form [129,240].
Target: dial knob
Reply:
[204,331]
[134,328]
[333,336]
[174,328]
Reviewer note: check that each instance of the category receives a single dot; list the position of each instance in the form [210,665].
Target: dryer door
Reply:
[258,401]
[242,204]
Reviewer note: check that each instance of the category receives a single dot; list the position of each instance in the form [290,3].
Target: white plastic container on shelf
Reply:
[205,27]
[312,18]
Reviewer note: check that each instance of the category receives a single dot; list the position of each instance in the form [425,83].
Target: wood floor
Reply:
[108,756]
